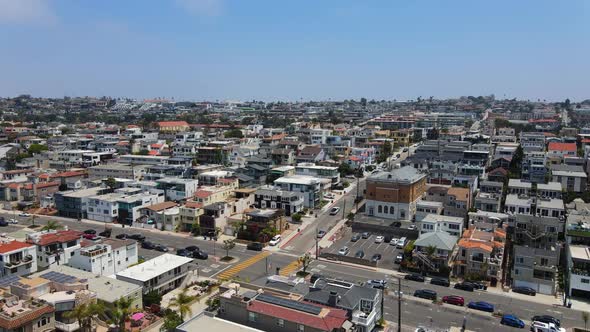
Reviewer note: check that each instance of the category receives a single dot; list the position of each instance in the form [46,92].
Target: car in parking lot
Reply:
[481,305]
[512,320]
[24,214]
[89,236]
[199,254]
[359,254]
[397,224]
[440,282]
[161,248]
[546,319]
[453,299]
[355,238]
[3,223]
[376,258]
[425,294]
[12,221]
[275,240]
[321,233]
[329,196]
[466,286]
[412,227]
[343,251]
[148,245]
[105,233]
[401,243]
[365,235]
[379,284]
[387,239]
[524,290]
[393,241]
[399,258]
[257,246]
[479,285]
[414,277]
[379,239]
[334,211]
[546,327]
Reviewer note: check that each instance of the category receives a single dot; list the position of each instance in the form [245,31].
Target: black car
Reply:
[192,248]
[121,236]
[479,285]
[355,238]
[547,319]
[148,245]
[315,277]
[105,233]
[183,252]
[136,237]
[425,294]
[414,277]
[359,254]
[525,290]
[466,286]
[255,246]
[3,223]
[397,224]
[200,254]
[440,282]
[387,238]
[161,248]
[90,231]
[376,258]
[365,235]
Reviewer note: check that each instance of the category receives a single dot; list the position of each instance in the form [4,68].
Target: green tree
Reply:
[304,261]
[344,169]
[196,228]
[152,297]
[296,217]
[122,312]
[182,304]
[51,225]
[83,314]
[111,183]
[143,152]
[171,320]
[233,133]
[228,245]
[37,148]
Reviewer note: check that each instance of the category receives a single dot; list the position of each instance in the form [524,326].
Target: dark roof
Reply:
[215,206]
[349,294]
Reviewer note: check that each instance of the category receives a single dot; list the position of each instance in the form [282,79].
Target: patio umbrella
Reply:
[137,316]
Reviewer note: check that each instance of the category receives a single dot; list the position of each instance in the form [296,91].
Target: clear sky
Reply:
[292,50]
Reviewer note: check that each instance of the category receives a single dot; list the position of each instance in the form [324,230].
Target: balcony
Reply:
[71,327]
[580,229]
[362,318]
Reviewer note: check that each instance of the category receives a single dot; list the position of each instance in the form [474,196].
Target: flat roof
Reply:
[519,184]
[212,324]
[298,179]
[553,203]
[579,252]
[154,267]
[432,217]
[556,186]
[83,192]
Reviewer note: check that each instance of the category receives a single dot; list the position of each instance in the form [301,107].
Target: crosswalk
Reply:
[232,271]
[290,268]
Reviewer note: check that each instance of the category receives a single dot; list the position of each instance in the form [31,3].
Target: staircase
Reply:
[424,259]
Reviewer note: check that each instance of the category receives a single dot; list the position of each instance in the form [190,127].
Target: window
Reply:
[379,209]
[520,260]
[300,327]
[515,272]
[252,317]
[386,209]
[544,261]
[280,323]
[585,281]
[391,210]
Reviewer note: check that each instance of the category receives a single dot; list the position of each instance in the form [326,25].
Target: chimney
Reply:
[333,299]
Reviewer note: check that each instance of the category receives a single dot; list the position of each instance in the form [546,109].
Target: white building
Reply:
[143,160]
[327,172]
[106,258]
[176,189]
[55,247]
[518,204]
[116,170]
[310,187]
[424,208]
[578,263]
[436,223]
[161,274]
[103,208]
[17,258]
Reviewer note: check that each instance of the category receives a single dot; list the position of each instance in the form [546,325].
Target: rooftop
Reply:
[517,183]
[13,246]
[213,324]
[440,240]
[49,237]
[154,267]
[579,252]
[557,146]
[406,174]
[298,179]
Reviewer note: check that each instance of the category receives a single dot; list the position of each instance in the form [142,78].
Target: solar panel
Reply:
[8,280]
[59,277]
[291,304]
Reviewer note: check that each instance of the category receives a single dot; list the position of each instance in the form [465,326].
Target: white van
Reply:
[401,243]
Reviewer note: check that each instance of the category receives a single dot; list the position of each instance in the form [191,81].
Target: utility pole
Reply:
[399,304]
[357,193]
[316,243]
[343,207]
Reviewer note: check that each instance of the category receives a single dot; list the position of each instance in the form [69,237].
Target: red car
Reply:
[452,299]
[89,236]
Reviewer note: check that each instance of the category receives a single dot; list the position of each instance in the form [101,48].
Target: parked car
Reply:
[379,239]
[329,196]
[379,284]
[425,294]
[455,300]
[479,285]
[359,254]
[414,277]
[365,235]
[321,234]
[412,227]
[315,277]
[105,233]
[376,258]
[12,221]
[121,236]
[512,320]
[387,239]
[546,319]
[355,238]
[275,240]
[399,258]
[148,245]
[481,305]
[334,211]
[405,150]
[183,252]
[397,224]
[255,246]
[343,251]
[136,237]
[161,248]
[24,214]
[466,286]
[393,241]
[401,243]
[440,282]
[546,327]
[3,223]
[524,290]
[89,236]
[90,231]
[192,248]
[199,254]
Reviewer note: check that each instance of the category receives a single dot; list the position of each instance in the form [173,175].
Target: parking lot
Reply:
[368,246]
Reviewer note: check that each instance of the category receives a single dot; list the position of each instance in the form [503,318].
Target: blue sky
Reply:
[292,50]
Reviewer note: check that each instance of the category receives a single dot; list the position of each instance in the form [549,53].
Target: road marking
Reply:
[315,270]
[206,270]
[215,266]
[232,271]
[290,268]
[321,266]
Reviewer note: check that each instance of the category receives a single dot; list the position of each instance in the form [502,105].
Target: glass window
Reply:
[252,316]
[300,327]
[280,322]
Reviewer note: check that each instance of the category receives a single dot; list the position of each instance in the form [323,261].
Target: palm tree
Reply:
[52,225]
[123,309]
[83,313]
[182,303]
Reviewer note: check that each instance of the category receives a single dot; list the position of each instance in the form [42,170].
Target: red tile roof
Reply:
[325,321]
[153,153]
[162,206]
[58,237]
[29,186]
[132,126]
[203,194]
[193,205]
[12,246]
[12,323]
[556,146]
[172,124]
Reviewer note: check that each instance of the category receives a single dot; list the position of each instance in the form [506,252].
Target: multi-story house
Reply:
[106,258]
[54,247]
[442,171]
[519,187]
[172,126]
[559,151]
[161,274]
[325,172]
[189,215]
[176,189]
[116,170]
[536,252]
[550,207]
[272,197]
[480,254]
[549,190]
[520,204]
[163,215]
[532,141]
[534,167]
[577,255]
[308,185]
[73,204]
[491,187]
[439,223]
[458,202]
[443,242]
[26,315]
[488,201]
[393,195]
[571,178]
[311,154]
[17,258]
[132,159]
[424,208]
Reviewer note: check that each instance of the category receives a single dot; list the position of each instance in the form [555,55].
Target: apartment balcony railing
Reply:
[362,318]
